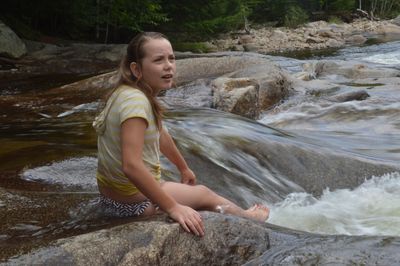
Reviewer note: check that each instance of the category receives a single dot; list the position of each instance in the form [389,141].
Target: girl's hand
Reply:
[189,219]
[188,177]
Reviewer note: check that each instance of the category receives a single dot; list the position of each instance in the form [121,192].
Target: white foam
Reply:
[80,108]
[391,58]
[371,209]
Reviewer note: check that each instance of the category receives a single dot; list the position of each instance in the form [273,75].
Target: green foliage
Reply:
[196,20]
[84,18]
[132,14]
[295,16]
[284,12]
[341,5]
[185,20]
[382,8]
[335,20]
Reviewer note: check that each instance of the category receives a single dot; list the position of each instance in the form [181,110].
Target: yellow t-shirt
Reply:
[129,103]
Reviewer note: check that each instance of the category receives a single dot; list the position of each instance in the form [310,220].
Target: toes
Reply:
[253,208]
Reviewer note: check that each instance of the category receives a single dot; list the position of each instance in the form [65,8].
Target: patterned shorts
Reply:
[115,208]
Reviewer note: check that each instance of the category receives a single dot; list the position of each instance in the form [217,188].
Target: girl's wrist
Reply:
[183,168]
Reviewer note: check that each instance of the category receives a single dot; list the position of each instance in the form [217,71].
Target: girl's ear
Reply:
[135,69]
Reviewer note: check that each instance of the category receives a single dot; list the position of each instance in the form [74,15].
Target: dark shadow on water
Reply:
[66,215]
[26,83]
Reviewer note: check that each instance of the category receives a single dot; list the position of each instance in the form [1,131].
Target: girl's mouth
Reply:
[168,76]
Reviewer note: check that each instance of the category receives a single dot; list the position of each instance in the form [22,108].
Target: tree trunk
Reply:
[97,19]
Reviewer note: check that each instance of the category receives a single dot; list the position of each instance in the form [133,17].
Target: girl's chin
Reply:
[167,86]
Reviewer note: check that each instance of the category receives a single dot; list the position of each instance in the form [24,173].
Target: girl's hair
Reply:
[136,53]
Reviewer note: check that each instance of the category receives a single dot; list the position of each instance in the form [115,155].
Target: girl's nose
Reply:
[168,64]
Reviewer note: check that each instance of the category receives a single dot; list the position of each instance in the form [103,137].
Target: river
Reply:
[369,128]
[332,165]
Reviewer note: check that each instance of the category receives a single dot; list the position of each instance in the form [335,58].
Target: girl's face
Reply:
[158,67]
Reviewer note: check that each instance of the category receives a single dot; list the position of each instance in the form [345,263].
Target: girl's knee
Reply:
[203,188]
[205,191]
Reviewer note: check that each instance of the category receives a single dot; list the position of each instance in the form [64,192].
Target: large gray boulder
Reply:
[10,44]
[228,241]
[213,65]
[246,84]
[274,83]
[237,95]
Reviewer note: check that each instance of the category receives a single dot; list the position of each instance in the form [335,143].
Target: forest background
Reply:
[116,21]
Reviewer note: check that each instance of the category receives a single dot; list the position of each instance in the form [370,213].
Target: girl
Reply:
[131,136]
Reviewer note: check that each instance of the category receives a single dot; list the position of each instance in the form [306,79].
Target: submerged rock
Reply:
[350,96]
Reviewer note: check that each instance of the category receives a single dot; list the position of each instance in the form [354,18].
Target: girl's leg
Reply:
[200,197]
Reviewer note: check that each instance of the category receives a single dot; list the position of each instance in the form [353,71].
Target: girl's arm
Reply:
[169,149]
[132,141]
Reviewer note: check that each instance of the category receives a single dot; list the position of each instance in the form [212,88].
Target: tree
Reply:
[195,20]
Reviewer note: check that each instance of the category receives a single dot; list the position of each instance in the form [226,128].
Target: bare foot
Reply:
[258,213]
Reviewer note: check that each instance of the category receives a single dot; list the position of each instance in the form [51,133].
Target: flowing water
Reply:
[332,165]
[369,128]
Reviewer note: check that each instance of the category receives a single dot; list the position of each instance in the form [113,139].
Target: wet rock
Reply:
[268,86]
[356,39]
[274,83]
[345,250]
[228,241]
[238,96]
[350,70]
[11,45]
[351,96]
[212,66]
[194,94]
[315,87]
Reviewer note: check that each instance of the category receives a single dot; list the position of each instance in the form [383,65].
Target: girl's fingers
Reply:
[184,226]
[196,224]
[193,227]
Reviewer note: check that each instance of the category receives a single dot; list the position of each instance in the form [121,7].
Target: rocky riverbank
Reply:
[311,36]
